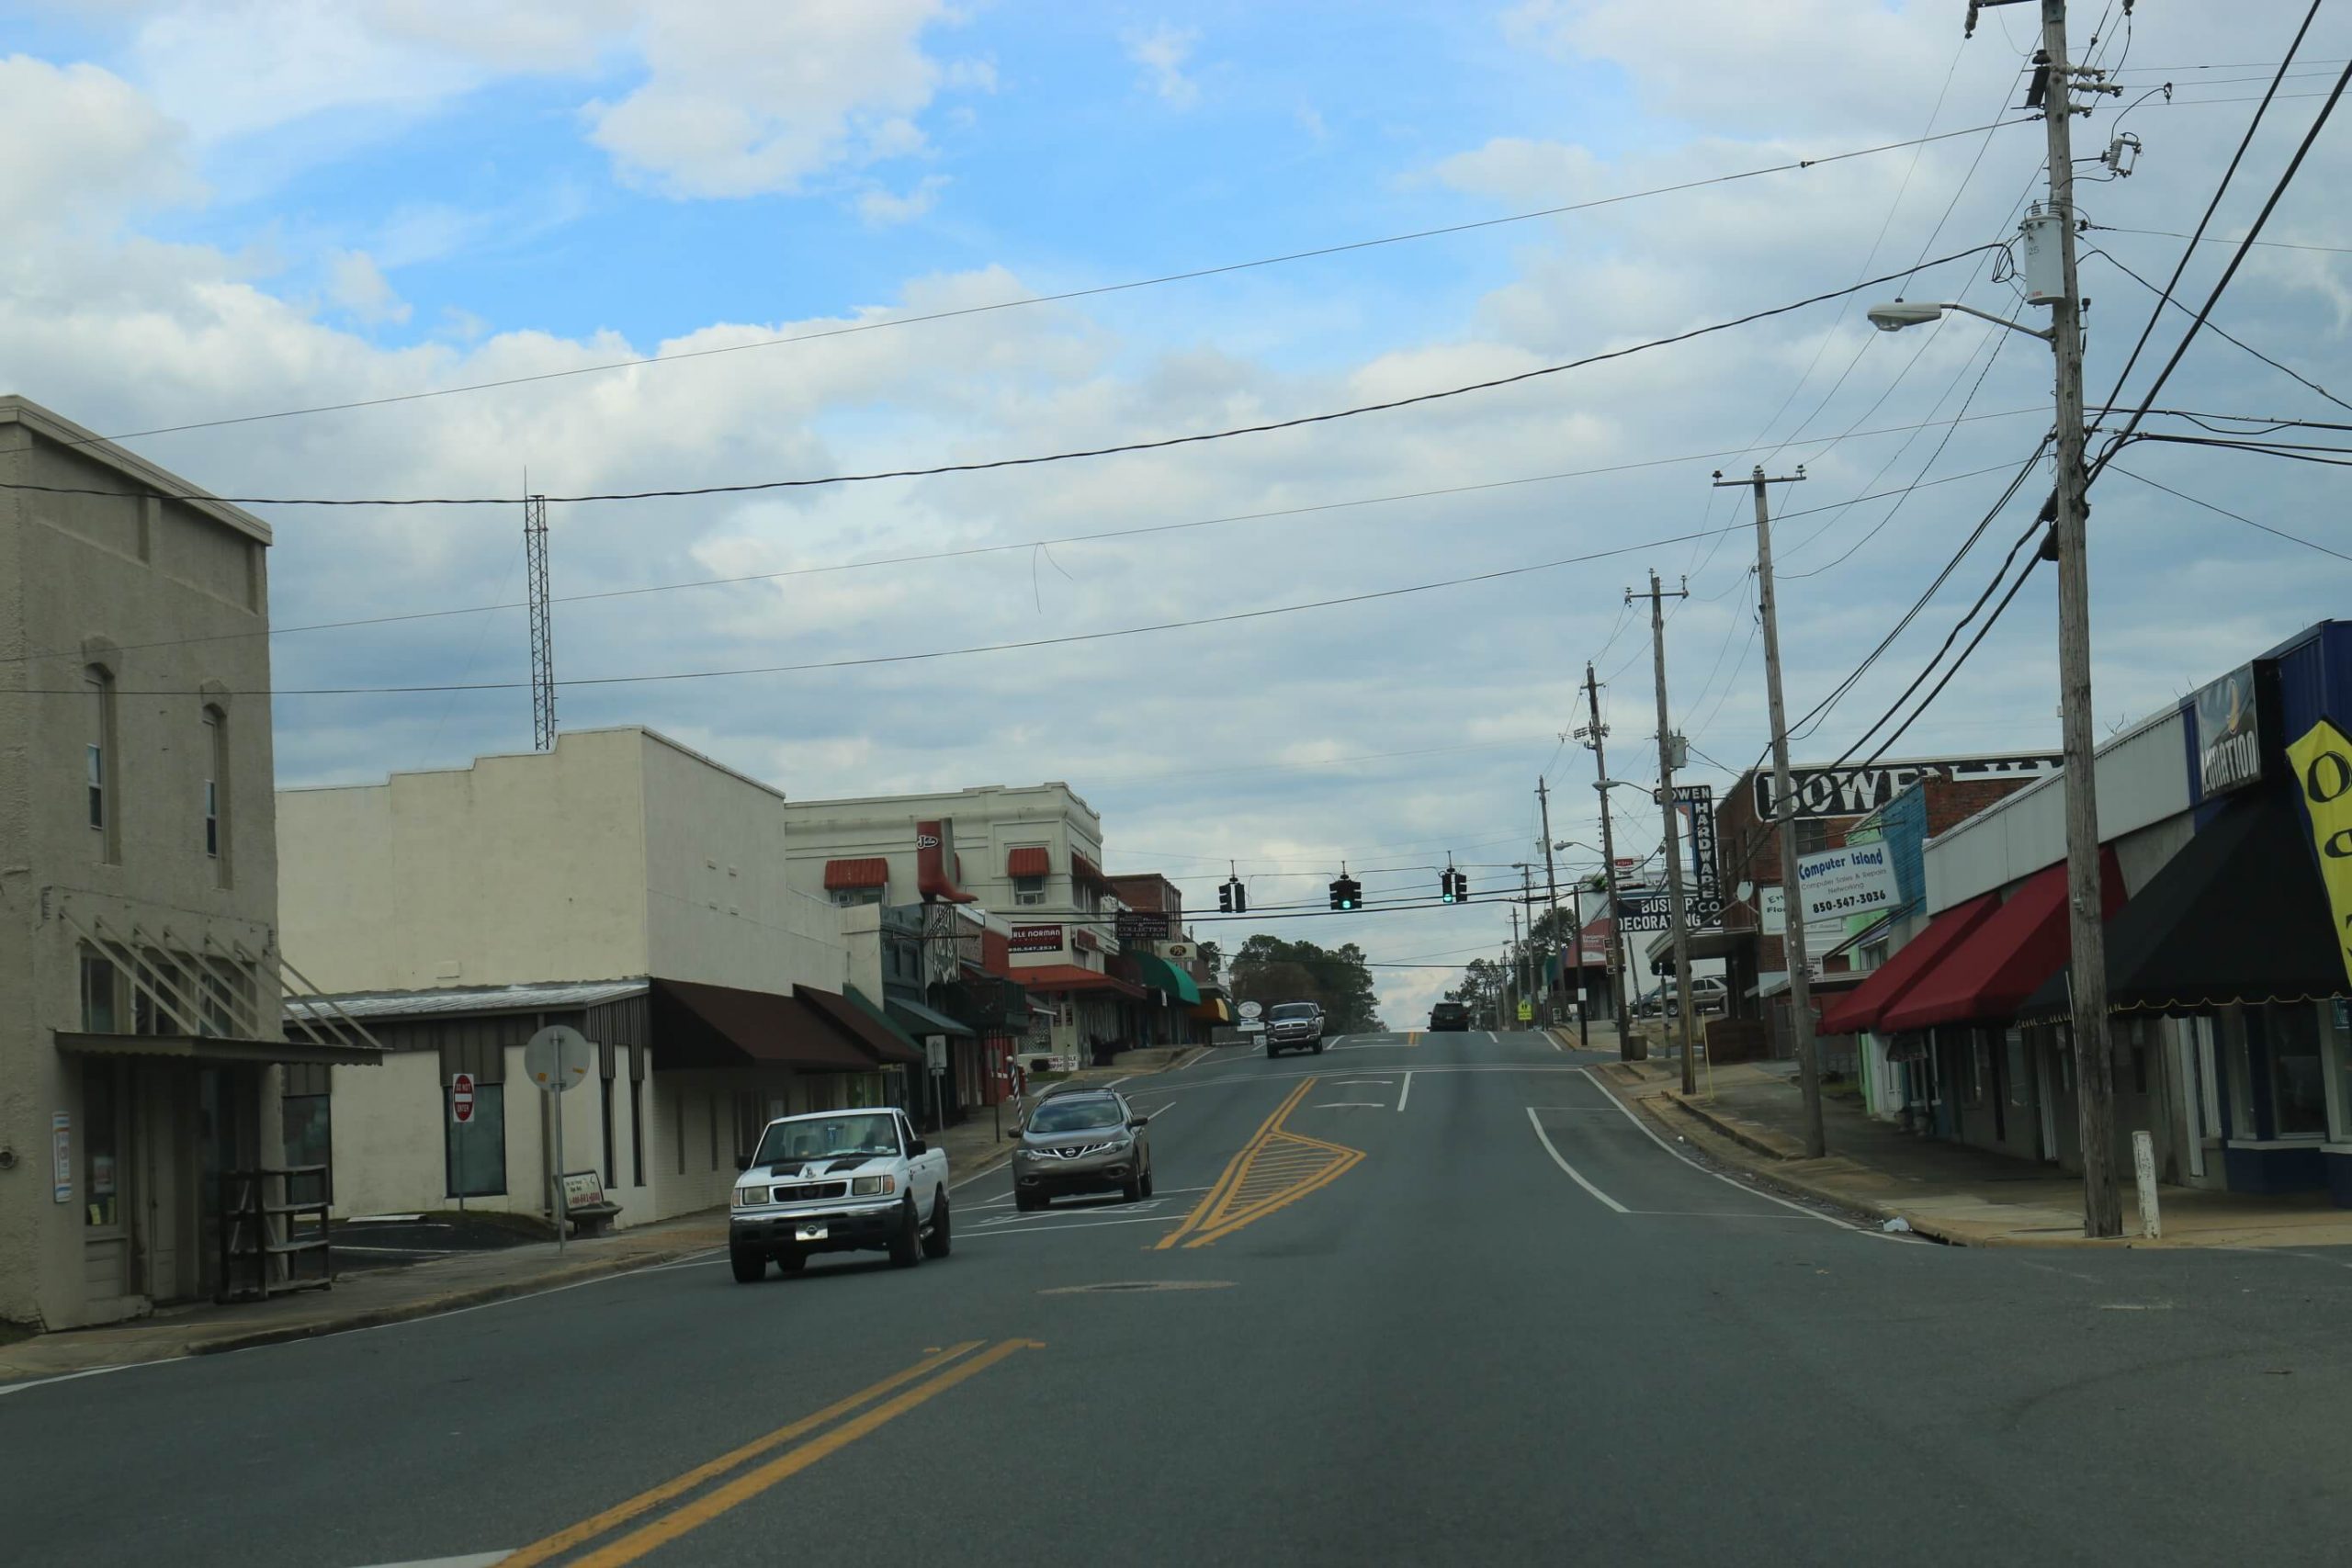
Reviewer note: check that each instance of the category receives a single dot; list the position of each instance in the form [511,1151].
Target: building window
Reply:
[216,794]
[103,1204]
[636,1114]
[475,1151]
[153,1006]
[1028,890]
[851,897]
[101,784]
[100,990]
[2297,1086]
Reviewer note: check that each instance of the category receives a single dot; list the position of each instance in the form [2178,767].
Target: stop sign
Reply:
[461,1097]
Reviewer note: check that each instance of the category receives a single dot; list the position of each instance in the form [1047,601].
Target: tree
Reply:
[1268,969]
[1212,959]
[1482,986]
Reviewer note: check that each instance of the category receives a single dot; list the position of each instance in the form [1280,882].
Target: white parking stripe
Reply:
[1407,1092]
[1573,1174]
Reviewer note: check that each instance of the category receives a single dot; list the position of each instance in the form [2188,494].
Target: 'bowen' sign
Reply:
[1854,792]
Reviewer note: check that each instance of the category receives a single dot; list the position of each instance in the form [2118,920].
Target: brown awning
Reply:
[868,871]
[871,1029]
[1031,860]
[718,1026]
[216,1049]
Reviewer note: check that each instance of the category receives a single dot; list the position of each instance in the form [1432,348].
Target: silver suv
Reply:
[1082,1140]
[1294,1026]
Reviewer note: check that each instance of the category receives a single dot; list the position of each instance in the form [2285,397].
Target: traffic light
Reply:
[1462,887]
[1445,886]
[1224,897]
[1346,893]
[1241,898]
[1233,899]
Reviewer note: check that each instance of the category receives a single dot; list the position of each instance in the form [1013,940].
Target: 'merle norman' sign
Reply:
[1853,792]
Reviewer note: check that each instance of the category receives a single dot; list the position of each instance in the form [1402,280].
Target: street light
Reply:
[1898,314]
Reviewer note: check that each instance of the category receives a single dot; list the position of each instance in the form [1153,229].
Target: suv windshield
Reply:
[1075,1115]
[829,1137]
[1293,1009]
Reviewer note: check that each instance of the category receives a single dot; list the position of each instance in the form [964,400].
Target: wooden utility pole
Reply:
[1552,889]
[1676,910]
[1595,735]
[2095,1071]
[1792,938]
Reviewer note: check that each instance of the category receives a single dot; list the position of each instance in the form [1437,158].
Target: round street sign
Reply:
[558,1057]
[461,1097]
[1251,1010]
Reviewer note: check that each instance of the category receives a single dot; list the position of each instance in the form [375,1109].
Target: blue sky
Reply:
[253,206]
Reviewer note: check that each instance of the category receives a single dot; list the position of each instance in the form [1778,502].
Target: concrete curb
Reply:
[1732,1150]
[1771,1145]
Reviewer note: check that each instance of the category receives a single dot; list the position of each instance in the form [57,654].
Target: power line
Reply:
[1069,294]
[2238,516]
[2217,240]
[2164,299]
[991,464]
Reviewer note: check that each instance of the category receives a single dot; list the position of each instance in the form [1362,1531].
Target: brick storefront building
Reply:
[1831,804]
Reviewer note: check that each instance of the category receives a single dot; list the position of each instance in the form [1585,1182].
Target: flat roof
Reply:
[56,428]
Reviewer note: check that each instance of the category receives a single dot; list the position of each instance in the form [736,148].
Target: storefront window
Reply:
[475,1149]
[2338,1016]
[98,1144]
[2297,1086]
[2020,1074]
[98,995]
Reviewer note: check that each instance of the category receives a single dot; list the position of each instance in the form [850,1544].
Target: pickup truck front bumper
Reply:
[863,1229]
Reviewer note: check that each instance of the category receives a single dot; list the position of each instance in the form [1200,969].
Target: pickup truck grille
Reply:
[808,1190]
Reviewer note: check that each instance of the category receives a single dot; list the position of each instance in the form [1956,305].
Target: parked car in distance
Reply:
[838,1181]
[1082,1140]
[1294,1026]
[1709,994]
[1450,1015]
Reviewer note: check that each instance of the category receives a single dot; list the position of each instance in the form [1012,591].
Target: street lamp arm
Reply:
[2042,333]
[1900,313]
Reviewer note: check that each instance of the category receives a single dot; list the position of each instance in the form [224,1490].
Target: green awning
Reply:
[917,1018]
[889,1025]
[1162,976]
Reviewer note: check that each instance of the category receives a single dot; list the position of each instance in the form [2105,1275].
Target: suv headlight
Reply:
[748,1197]
[872,1186]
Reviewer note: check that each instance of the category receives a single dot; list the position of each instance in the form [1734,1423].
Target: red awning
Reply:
[873,872]
[1991,973]
[1070,977]
[1860,1008]
[1086,871]
[1031,861]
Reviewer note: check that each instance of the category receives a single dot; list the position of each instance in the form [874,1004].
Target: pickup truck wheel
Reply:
[936,1245]
[1318,1047]
[791,1261]
[749,1265]
[906,1242]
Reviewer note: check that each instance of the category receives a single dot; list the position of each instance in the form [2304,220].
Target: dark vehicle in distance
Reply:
[1450,1015]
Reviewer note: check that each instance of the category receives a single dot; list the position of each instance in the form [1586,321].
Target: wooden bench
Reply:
[585,1203]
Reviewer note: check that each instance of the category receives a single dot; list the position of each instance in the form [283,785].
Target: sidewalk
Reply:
[1751,1115]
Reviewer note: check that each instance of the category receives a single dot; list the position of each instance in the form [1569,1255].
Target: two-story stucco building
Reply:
[620,884]
[141,1054]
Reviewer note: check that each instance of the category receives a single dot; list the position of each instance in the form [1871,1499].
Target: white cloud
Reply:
[88,147]
[742,99]
[882,208]
[1162,52]
[356,285]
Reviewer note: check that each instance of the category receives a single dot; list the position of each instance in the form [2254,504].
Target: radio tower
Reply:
[535,565]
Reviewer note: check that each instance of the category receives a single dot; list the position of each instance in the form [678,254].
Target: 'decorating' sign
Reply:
[2322,763]
[2229,742]
[1852,881]
[1037,939]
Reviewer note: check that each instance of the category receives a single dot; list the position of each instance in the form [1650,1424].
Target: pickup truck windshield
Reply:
[1074,1116]
[829,1137]
[1293,1009]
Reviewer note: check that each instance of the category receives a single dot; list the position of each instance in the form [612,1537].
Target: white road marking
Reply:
[1740,1186]
[1709,1214]
[474,1559]
[1355,1083]
[696,1261]
[68,1377]
[1080,1225]
[1573,1174]
[1407,1093]
[1347,1105]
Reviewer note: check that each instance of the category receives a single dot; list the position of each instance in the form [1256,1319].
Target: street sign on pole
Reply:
[556,1058]
[461,1098]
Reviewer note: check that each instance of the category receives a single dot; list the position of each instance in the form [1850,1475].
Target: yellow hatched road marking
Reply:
[1275,1168]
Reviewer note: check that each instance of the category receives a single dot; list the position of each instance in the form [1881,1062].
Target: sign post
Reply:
[462,1112]
[556,1058]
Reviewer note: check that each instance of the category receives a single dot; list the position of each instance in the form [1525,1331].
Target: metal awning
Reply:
[875,1033]
[218,1050]
[1162,975]
[917,1018]
[717,1026]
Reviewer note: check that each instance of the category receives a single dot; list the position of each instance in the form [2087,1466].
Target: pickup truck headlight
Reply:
[872,1186]
[748,1197]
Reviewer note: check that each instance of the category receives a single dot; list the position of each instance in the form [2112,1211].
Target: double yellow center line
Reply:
[933,1375]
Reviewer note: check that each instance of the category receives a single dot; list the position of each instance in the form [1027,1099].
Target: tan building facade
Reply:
[141,1063]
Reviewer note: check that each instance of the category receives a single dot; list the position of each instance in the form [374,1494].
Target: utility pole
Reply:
[1595,734]
[1792,938]
[2102,1209]
[1516,965]
[1552,886]
[1528,971]
[1677,911]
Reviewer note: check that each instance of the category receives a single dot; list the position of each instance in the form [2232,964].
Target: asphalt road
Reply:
[1456,1307]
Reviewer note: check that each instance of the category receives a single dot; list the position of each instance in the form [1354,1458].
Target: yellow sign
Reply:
[2322,763]
[1526,1011]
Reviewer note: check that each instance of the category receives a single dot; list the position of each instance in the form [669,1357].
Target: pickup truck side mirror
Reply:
[918,1147]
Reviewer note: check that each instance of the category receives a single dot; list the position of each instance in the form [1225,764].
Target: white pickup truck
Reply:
[838,1181]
